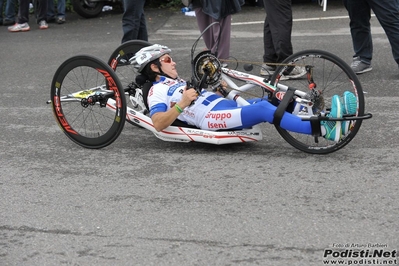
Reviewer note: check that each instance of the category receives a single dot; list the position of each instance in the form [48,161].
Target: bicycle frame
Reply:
[253,81]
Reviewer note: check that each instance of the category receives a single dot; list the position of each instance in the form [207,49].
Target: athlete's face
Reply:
[168,66]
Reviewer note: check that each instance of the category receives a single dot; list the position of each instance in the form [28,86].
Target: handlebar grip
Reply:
[189,86]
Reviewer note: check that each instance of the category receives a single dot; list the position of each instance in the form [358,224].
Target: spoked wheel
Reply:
[88,103]
[328,75]
[127,73]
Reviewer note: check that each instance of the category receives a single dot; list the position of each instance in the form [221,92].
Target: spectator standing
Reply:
[387,13]
[52,16]
[133,21]
[217,37]
[23,16]
[1,12]
[9,12]
[277,37]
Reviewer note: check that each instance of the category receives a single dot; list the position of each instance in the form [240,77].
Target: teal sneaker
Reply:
[333,128]
[349,101]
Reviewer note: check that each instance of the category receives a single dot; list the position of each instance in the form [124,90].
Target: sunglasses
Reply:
[166,59]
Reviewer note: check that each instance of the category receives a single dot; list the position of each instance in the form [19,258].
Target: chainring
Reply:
[207,60]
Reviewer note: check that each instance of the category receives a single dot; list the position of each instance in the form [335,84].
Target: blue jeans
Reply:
[387,13]
[10,10]
[133,21]
[60,9]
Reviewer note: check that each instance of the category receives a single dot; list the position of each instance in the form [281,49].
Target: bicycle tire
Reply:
[92,125]
[87,8]
[332,76]
[119,62]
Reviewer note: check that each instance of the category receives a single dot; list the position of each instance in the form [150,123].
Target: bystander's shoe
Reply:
[267,70]
[19,27]
[349,107]
[8,22]
[359,66]
[333,128]
[60,20]
[43,25]
[296,73]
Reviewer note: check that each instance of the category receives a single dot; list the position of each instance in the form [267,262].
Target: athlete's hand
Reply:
[189,95]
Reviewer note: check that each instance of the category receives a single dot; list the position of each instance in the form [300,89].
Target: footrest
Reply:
[344,118]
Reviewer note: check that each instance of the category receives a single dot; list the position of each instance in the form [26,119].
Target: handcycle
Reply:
[91,100]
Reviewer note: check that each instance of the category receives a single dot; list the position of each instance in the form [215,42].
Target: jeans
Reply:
[60,9]
[216,38]
[133,21]
[387,13]
[10,10]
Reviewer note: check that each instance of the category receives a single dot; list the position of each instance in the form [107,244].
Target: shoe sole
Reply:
[346,124]
[283,77]
[19,30]
[264,71]
[292,77]
[265,74]
[346,101]
[363,71]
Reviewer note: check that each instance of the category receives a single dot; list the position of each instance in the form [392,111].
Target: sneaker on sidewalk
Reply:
[267,70]
[333,128]
[61,20]
[43,25]
[349,103]
[19,27]
[295,73]
[359,66]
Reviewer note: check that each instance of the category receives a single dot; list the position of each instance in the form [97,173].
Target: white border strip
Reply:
[296,20]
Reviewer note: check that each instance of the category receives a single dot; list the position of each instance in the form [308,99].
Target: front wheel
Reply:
[328,75]
[88,101]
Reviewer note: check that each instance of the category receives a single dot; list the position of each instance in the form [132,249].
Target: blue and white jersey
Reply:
[165,93]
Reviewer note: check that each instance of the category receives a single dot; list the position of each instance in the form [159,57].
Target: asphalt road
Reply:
[142,201]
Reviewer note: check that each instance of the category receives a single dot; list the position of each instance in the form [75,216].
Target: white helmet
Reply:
[148,54]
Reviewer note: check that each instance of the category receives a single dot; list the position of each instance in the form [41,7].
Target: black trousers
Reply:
[277,31]
[23,12]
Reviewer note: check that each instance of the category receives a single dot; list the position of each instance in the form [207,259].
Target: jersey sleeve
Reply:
[157,99]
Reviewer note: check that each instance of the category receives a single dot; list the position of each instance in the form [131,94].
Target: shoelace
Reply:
[355,63]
